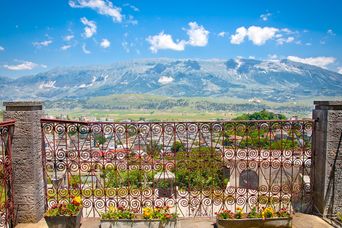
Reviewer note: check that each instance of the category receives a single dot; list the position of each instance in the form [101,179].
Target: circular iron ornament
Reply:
[278,151]
[204,128]
[47,128]
[96,129]
[60,129]
[110,192]
[253,154]
[252,200]
[123,192]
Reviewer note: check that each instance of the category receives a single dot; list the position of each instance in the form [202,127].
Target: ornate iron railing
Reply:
[6,183]
[197,168]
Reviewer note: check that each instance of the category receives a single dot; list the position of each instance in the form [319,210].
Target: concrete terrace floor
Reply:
[299,221]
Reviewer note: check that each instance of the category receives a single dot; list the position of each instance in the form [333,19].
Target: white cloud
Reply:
[2,48]
[258,35]
[131,20]
[198,35]
[282,40]
[134,8]
[102,7]
[286,30]
[65,47]
[331,32]
[164,41]
[221,34]
[125,46]
[321,61]
[25,65]
[265,16]
[90,27]
[289,39]
[239,36]
[68,37]
[105,43]
[85,50]
[43,43]
[339,70]
[165,80]
[272,56]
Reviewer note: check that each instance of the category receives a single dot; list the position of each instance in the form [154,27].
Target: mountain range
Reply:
[276,80]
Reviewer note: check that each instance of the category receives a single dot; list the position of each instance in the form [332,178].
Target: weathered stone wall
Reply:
[327,185]
[28,180]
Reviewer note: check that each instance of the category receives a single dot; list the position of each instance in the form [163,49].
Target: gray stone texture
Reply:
[29,196]
[327,191]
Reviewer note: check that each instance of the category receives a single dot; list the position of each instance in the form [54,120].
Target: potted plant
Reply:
[164,188]
[164,182]
[117,217]
[75,181]
[266,217]
[158,217]
[65,214]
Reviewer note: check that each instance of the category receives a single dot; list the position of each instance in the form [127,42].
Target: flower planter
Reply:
[138,223]
[64,221]
[165,192]
[254,222]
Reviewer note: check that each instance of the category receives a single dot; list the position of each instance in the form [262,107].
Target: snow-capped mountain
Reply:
[280,80]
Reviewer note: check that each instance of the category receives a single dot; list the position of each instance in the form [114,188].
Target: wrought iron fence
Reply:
[198,168]
[6,183]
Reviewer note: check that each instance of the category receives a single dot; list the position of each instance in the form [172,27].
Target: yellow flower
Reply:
[78,199]
[268,212]
[112,209]
[147,212]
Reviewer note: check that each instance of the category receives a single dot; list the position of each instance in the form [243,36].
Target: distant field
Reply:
[121,107]
[119,115]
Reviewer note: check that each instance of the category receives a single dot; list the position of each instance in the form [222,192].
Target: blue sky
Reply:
[40,35]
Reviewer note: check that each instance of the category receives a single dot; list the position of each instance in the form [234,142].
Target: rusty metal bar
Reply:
[6,177]
[197,168]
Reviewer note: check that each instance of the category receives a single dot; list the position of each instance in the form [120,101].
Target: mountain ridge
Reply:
[279,81]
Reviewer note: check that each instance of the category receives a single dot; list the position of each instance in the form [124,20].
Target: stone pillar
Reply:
[327,185]
[28,183]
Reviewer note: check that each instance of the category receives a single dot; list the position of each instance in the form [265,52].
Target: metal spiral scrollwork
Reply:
[6,177]
[196,167]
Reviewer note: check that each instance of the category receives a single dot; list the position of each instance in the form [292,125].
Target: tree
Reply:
[100,139]
[201,168]
[262,115]
[177,147]
[153,149]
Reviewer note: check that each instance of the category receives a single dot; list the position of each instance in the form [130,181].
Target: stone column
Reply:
[27,160]
[327,158]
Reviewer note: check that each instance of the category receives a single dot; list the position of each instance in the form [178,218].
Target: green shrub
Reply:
[75,181]
[132,178]
[200,169]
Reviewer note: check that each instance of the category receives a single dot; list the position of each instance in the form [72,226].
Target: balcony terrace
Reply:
[197,168]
